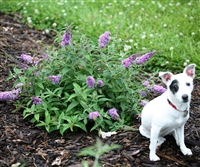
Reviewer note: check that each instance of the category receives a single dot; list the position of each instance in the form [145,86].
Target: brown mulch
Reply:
[21,142]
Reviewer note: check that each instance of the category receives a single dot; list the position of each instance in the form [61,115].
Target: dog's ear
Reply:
[166,76]
[190,70]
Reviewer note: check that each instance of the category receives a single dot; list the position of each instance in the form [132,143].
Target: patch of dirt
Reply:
[21,142]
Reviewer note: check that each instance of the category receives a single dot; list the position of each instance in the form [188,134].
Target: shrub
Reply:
[75,86]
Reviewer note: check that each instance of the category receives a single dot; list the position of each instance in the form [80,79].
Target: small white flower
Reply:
[136,25]
[155,16]
[47,18]
[63,10]
[164,25]
[64,14]
[100,11]
[47,31]
[131,40]
[27,3]
[192,33]
[135,44]
[143,36]
[151,35]
[131,26]
[119,39]
[185,63]
[36,11]
[189,4]
[171,48]
[75,7]
[178,4]
[120,13]
[167,62]
[54,24]
[127,48]
[143,48]
[181,34]
[108,22]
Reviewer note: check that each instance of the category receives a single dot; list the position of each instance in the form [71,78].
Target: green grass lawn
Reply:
[169,25]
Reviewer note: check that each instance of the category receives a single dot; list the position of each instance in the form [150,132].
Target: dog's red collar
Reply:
[171,104]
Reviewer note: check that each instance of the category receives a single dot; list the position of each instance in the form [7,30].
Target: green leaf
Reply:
[63,128]
[72,105]
[80,125]
[37,117]
[40,85]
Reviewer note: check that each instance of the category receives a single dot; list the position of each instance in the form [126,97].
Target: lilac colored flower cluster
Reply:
[104,39]
[113,113]
[36,100]
[158,88]
[100,83]
[128,61]
[142,102]
[55,79]
[146,83]
[28,59]
[10,95]
[145,57]
[66,39]
[143,93]
[93,115]
[90,81]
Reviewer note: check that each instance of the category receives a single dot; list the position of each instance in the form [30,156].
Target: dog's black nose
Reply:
[185,97]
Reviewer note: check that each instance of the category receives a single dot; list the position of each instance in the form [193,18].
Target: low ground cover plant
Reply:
[83,85]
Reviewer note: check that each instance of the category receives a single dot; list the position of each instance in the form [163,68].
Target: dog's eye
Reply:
[176,88]
[188,84]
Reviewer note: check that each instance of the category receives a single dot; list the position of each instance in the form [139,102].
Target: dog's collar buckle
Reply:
[171,104]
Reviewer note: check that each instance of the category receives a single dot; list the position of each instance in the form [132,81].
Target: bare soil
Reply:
[21,142]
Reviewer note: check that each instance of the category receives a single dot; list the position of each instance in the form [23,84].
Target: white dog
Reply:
[168,113]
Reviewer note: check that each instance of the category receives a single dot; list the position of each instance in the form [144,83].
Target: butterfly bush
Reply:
[66,40]
[94,115]
[55,79]
[90,81]
[100,83]
[113,113]
[64,105]
[145,57]
[142,102]
[128,61]
[36,100]
[104,39]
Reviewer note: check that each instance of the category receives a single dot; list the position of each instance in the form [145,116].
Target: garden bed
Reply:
[22,142]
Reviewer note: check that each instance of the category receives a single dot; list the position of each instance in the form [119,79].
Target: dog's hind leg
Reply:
[144,132]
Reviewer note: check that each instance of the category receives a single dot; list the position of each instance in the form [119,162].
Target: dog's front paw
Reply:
[186,151]
[154,157]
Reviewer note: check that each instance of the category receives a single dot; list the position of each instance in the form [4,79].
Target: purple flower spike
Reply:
[54,79]
[104,39]
[90,81]
[26,58]
[143,93]
[10,95]
[128,61]
[142,102]
[113,113]
[36,100]
[146,83]
[100,83]
[145,57]
[66,40]
[45,56]
[157,88]
[93,115]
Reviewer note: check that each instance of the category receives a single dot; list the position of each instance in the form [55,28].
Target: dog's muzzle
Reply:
[185,98]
